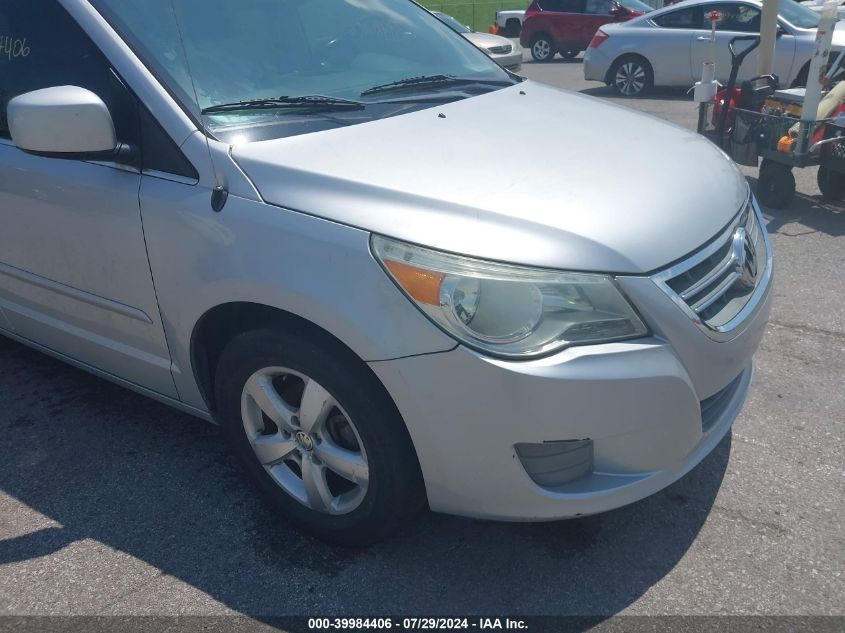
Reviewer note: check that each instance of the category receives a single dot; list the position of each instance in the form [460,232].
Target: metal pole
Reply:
[812,96]
[768,36]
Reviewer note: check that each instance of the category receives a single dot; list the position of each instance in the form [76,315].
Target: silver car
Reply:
[669,46]
[818,6]
[283,226]
[502,50]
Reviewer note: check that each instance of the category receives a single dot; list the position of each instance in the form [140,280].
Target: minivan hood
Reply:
[528,174]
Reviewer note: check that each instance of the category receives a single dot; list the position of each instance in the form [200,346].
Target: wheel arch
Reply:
[218,326]
[802,76]
[540,33]
[513,27]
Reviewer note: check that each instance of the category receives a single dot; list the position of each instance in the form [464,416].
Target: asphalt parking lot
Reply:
[113,504]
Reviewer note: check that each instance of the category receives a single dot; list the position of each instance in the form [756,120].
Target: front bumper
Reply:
[640,402]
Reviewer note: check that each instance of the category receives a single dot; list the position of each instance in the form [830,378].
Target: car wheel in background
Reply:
[513,28]
[831,184]
[631,76]
[542,48]
[315,429]
[775,184]
[569,53]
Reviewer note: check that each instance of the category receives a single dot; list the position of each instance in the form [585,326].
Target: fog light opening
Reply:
[555,463]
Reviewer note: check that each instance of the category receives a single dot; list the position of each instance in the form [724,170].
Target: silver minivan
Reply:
[296,218]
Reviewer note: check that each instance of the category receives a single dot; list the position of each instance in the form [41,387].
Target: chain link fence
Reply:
[478,15]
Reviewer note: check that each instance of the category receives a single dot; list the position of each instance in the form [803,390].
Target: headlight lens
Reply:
[508,310]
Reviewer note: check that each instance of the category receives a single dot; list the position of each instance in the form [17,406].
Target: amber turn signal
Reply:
[422,285]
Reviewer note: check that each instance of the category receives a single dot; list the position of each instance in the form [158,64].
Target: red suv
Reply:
[567,26]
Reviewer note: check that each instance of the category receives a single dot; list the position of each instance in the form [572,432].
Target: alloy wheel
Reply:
[305,440]
[630,78]
[541,50]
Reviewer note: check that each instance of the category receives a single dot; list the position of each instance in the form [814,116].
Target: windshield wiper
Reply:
[310,102]
[432,81]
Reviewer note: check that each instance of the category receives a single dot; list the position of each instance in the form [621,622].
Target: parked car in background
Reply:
[501,49]
[669,46]
[567,26]
[815,6]
[509,23]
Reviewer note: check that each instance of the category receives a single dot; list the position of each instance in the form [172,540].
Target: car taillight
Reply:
[598,39]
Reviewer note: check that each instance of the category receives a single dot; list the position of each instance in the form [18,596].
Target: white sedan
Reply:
[817,7]
[500,49]
[669,46]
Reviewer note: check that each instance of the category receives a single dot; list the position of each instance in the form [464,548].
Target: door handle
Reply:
[704,38]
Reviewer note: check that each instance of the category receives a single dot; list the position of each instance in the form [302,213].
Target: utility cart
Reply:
[758,124]
[775,139]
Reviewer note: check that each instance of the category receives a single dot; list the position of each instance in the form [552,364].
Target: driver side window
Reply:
[738,18]
[598,7]
[41,46]
[690,18]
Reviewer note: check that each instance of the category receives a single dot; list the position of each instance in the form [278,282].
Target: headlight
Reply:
[508,310]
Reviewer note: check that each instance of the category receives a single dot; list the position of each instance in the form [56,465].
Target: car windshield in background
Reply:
[636,5]
[799,15]
[216,54]
[452,23]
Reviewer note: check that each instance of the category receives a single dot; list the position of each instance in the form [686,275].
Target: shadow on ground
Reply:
[557,60]
[811,212]
[112,466]
[661,94]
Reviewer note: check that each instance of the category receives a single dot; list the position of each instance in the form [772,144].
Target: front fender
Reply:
[252,252]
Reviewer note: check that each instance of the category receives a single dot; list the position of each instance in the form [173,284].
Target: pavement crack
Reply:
[808,329]
[730,513]
[114,600]
[801,234]
[748,440]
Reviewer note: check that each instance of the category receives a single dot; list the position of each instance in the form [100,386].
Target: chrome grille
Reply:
[716,284]
[501,50]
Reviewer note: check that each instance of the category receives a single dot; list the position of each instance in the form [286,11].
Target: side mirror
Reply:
[615,10]
[64,122]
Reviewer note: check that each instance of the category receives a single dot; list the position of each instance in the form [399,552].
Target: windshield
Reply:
[212,53]
[636,5]
[799,15]
[452,23]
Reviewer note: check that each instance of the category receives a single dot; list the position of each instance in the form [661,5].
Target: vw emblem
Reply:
[304,441]
[744,258]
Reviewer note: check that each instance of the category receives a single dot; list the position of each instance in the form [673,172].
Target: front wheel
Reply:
[316,431]
[831,184]
[542,48]
[775,184]
[569,53]
[631,77]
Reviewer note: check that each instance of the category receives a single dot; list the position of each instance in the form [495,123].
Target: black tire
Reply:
[569,53]
[831,184]
[542,48]
[513,28]
[631,76]
[775,184]
[394,486]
